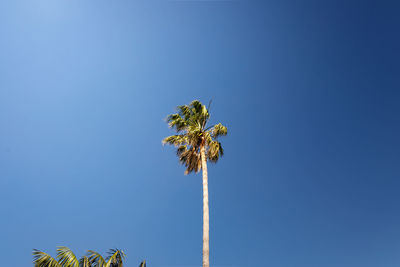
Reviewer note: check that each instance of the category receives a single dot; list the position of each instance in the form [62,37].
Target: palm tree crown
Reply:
[66,258]
[191,125]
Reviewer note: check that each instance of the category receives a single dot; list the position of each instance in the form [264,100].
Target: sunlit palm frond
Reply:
[85,262]
[218,130]
[115,258]
[198,109]
[143,264]
[66,257]
[175,140]
[177,122]
[195,114]
[199,114]
[184,111]
[96,259]
[41,259]
[214,151]
[196,106]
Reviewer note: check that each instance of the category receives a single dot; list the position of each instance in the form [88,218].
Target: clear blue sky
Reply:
[309,91]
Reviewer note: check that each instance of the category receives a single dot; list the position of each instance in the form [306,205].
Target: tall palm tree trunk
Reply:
[206,218]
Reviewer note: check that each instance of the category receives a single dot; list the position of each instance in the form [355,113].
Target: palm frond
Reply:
[189,157]
[199,114]
[214,151]
[194,138]
[207,137]
[96,259]
[175,140]
[115,258]
[66,257]
[184,111]
[41,259]
[177,122]
[218,130]
[181,150]
[196,107]
[192,161]
[143,264]
[85,262]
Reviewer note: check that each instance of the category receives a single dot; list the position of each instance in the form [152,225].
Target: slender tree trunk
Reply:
[206,218]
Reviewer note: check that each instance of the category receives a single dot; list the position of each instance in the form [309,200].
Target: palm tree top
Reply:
[66,258]
[190,122]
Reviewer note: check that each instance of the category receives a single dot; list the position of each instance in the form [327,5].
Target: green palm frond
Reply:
[177,122]
[41,259]
[219,130]
[175,140]
[184,111]
[85,262]
[66,257]
[96,259]
[214,151]
[194,114]
[115,258]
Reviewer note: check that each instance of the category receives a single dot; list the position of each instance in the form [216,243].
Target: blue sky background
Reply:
[309,91]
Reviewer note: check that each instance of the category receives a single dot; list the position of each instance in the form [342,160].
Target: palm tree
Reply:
[66,258]
[115,258]
[196,143]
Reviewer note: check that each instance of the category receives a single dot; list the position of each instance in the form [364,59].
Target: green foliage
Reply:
[96,259]
[66,258]
[115,258]
[41,259]
[191,125]
[85,262]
